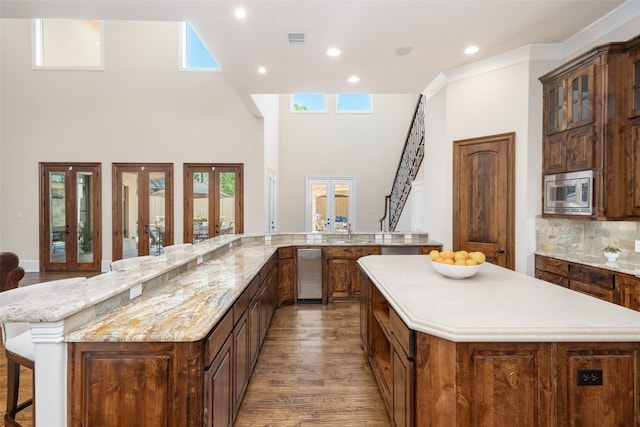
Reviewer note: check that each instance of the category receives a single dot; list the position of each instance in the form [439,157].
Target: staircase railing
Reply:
[410,161]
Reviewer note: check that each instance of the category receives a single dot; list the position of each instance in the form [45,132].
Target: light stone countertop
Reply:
[181,300]
[495,305]
[622,265]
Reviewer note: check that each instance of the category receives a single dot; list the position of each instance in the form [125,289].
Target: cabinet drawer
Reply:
[552,265]
[554,278]
[243,300]
[592,276]
[404,336]
[284,253]
[594,291]
[217,338]
[264,273]
[353,252]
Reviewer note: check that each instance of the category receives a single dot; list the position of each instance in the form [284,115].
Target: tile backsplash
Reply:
[590,237]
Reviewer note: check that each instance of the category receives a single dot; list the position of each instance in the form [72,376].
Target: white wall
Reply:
[139,109]
[364,146]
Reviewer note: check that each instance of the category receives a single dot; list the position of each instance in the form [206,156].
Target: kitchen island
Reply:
[171,341]
[497,349]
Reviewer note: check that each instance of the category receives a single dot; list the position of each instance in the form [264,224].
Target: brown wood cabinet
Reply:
[287,286]
[342,271]
[390,348]
[619,288]
[584,127]
[430,381]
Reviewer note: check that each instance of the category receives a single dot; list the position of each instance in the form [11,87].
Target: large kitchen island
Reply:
[497,349]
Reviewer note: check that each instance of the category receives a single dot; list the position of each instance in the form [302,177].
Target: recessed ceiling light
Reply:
[402,51]
[471,50]
[334,52]
[241,13]
[262,70]
[353,79]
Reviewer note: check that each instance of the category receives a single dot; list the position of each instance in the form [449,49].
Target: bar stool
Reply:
[10,271]
[20,350]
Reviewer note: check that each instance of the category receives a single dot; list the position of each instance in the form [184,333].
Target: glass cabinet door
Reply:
[70,217]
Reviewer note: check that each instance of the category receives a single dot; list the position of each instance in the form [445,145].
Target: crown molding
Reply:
[580,41]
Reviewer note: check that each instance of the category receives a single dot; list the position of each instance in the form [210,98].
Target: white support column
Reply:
[50,374]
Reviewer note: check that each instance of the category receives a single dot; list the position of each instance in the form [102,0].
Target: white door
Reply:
[330,205]
[271,179]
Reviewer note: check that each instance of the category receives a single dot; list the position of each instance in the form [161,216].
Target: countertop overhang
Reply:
[495,305]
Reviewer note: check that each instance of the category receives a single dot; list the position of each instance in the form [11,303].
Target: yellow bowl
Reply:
[455,271]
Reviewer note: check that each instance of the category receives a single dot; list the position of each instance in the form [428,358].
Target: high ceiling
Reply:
[367,32]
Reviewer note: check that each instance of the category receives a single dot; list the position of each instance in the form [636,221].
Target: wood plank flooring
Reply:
[311,371]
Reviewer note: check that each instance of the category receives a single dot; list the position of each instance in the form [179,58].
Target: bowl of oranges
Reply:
[456,264]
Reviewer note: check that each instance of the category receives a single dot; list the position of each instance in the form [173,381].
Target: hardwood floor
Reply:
[311,371]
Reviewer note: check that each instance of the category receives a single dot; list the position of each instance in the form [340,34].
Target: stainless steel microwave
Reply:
[569,193]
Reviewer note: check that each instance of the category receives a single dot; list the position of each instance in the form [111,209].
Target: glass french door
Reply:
[142,209]
[213,195]
[70,217]
[330,205]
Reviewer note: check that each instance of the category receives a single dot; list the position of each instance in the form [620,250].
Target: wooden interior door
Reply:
[70,217]
[483,197]
[142,209]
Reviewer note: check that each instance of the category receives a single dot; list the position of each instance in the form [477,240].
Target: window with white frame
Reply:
[353,103]
[73,44]
[194,53]
[308,103]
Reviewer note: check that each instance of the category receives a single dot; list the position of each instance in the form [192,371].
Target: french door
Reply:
[70,217]
[330,205]
[213,194]
[142,209]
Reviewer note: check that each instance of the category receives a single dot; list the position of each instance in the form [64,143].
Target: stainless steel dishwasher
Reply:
[310,275]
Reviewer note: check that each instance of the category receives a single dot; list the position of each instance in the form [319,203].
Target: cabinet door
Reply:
[628,291]
[287,280]
[339,278]
[581,92]
[633,209]
[553,154]
[218,385]
[579,149]
[402,388]
[614,402]
[242,362]
[254,329]
[591,289]
[555,116]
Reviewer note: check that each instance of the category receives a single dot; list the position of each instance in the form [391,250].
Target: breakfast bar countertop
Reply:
[495,305]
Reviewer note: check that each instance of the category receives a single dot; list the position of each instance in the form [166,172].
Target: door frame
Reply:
[116,194]
[510,138]
[70,206]
[214,213]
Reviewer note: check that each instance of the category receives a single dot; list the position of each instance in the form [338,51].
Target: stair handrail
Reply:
[410,161]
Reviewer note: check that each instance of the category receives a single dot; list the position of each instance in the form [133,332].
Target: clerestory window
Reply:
[194,53]
[68,44]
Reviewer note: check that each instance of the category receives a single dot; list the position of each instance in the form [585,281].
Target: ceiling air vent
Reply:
[296,38]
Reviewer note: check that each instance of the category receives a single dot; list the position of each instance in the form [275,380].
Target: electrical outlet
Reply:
[637,246]
[589,376]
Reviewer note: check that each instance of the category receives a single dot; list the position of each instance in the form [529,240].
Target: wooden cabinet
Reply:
[342,271]
[218,388]
[593,281]
[628,291]
[430,381]
[390,347]
[584,127]
[287,270]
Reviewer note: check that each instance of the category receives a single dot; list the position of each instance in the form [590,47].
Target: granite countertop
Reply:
[495,305]
[183,295]
[622,265]
[186,308]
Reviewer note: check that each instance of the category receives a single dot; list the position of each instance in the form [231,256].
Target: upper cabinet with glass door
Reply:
[583,101]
